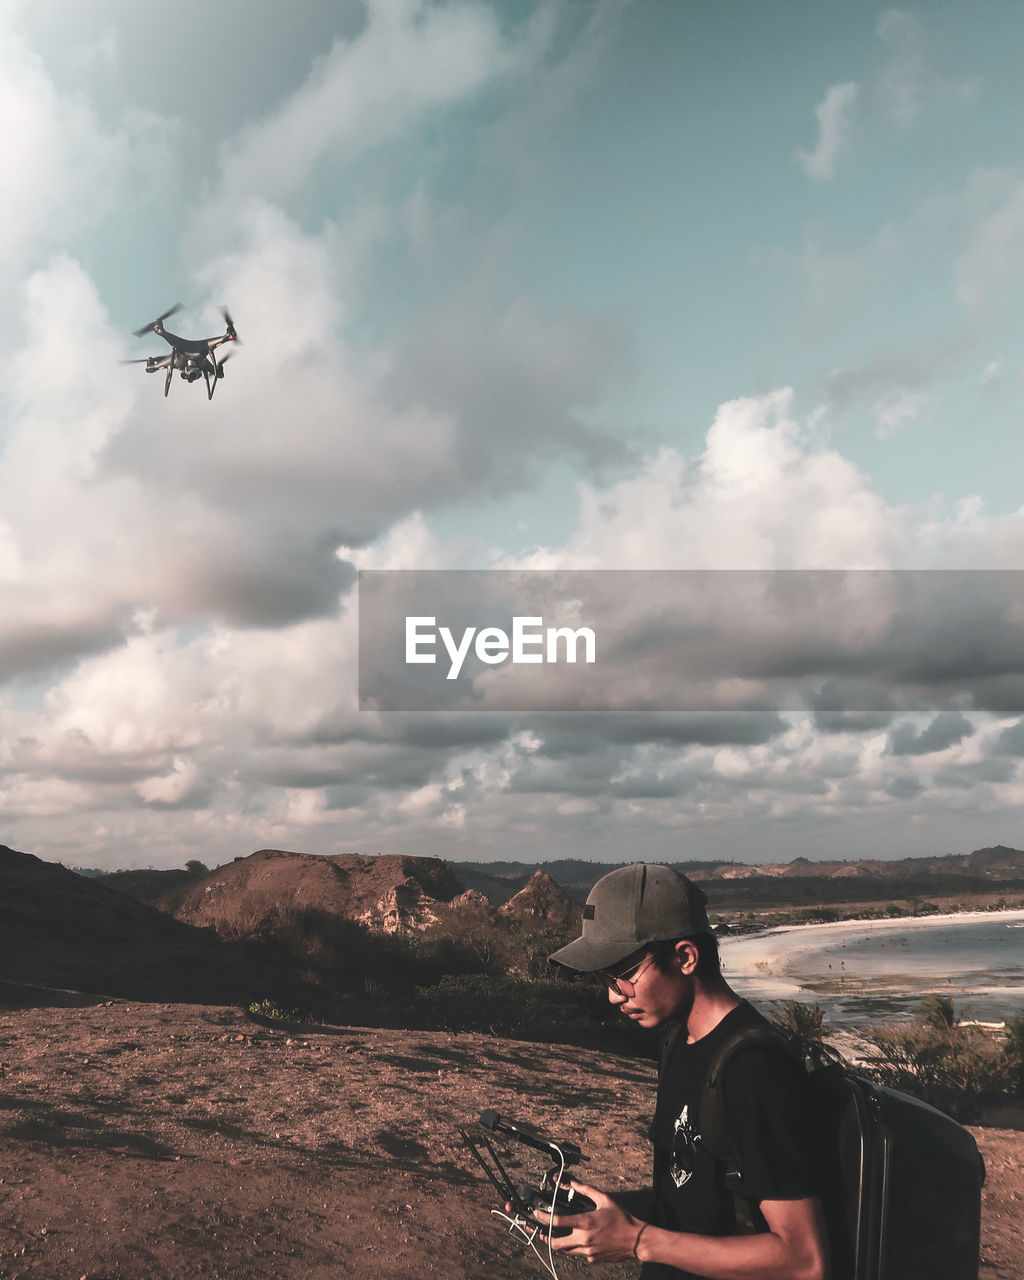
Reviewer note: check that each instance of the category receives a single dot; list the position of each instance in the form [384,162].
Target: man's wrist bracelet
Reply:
[636,1242]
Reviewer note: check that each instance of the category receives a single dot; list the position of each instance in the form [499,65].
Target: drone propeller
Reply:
[230,325]
[144,360]
[222,363]
[148,328]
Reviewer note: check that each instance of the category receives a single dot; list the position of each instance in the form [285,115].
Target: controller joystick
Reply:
[567,1201]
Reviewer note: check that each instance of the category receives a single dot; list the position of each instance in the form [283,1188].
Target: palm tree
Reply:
[803,1025]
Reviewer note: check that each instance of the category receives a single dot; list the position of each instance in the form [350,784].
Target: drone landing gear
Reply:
[170,375]
[212,379]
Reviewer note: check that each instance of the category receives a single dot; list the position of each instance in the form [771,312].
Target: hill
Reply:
[59,929]
[542,901]
[389,894]
[370,931]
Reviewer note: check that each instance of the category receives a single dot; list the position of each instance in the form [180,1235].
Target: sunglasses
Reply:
[614,981]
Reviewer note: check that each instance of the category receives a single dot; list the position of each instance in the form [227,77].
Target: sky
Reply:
[661,285]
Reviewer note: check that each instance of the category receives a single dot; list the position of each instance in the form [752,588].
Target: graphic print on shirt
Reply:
[683,1139]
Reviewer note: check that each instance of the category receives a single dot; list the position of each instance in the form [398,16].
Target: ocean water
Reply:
[863,972]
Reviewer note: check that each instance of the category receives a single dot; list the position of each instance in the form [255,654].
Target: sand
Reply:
[781,959]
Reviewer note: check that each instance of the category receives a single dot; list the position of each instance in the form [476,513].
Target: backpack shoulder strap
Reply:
[715,1134]
[668,1043]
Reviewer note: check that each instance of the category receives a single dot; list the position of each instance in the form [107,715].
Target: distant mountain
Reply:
[802,879]
[147,885]
[576,875]
[999,862]
[60,929]
[496,887]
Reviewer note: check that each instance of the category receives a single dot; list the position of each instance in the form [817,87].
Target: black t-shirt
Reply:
[770,1123]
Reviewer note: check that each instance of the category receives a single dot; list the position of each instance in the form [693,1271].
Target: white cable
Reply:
[518,1224]
[554,1200]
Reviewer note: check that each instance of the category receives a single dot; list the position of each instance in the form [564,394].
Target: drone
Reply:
[192,357]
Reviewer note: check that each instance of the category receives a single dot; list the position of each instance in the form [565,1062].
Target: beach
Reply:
[866,970]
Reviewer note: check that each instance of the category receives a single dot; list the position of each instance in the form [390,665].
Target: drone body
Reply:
[192,357]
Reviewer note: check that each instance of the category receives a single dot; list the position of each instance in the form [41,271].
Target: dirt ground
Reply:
[150,1141]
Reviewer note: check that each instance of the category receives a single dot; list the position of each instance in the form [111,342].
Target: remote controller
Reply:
[567,1201]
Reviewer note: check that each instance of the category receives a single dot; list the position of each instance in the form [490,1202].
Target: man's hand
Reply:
[606,1234]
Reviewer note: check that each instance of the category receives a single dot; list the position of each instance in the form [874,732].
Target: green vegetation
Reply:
[961,1068]
[804,1027]
[472,971]
[475,970]
[938,1012]
[551,1010]
[270,1011]
[467,972]
[1015,1051]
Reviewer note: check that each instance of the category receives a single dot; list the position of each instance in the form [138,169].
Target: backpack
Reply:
[901,1186]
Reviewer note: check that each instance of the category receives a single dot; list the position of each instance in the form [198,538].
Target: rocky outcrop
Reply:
[542,900]
[389,894]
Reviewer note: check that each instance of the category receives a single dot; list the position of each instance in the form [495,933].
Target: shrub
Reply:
[960,1070]
[937,1011]
[1014,1051]
[268,1010]
[555,1010]
[488,944]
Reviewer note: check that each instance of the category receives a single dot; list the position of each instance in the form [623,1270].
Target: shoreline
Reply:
[796,961]
[880,923]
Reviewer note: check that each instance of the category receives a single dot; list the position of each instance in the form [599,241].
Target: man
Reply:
[646,932]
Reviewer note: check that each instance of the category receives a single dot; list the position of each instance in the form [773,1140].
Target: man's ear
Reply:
[687,956]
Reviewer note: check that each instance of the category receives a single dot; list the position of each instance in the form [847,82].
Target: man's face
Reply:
[650,995]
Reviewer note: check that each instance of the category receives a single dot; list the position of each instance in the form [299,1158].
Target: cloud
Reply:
[181,787]
[947,729]
[61,169]
[179,614]
[764,494]
[410,59]
[903,412]
[991,266]
[259,507]
[240,735]
[833,112]
[1011,740]
[896,385]
[906,83]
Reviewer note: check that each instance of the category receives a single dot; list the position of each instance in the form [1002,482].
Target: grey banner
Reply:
[850,646]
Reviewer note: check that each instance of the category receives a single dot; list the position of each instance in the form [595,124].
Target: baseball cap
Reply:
[629,908]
